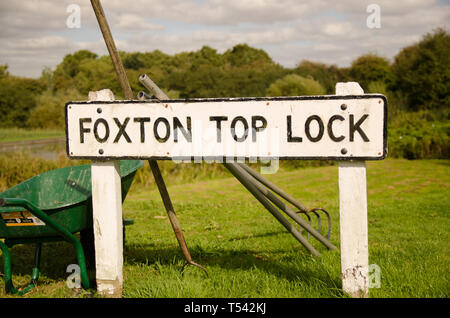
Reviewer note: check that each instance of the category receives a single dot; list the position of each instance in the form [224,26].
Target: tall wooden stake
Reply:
[113,53]
[128,93]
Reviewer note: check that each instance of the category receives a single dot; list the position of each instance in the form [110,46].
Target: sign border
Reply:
[234,99]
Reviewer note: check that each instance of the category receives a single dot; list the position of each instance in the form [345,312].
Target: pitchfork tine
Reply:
[318,218]
[329,220]
[309,221]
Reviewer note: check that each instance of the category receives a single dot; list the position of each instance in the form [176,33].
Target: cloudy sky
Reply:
[35,34]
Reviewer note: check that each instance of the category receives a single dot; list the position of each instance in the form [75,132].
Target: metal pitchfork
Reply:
[257,184]
[293,201]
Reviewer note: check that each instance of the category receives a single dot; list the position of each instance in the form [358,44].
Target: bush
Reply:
[326,75]
[19,166]
[295,85]
[49,112]
[420,135]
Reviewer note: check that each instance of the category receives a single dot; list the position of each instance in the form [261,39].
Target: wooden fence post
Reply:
[107,218]
[353,217]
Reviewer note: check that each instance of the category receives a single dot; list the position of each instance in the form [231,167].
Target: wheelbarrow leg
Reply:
[53,224]
[172,216]
[9,286]
[87,241]
[37,262]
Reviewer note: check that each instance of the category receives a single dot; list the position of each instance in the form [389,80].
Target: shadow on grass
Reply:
[250,236]
[55,257]
[445,162]
[231,259]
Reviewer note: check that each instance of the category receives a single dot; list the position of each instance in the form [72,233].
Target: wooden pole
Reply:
[113,53]
[353,217]
[107,218]
[172,216]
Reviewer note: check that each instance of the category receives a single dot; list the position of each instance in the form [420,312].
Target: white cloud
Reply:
[135,22]
[340,29]
[33,34]
[221,12]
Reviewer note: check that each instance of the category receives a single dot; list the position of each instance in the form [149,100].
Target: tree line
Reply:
[417,80]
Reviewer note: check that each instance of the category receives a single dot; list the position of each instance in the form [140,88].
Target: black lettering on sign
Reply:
[155,129]
[255,128]
[330,128]
[82,129]
[307,128]
[142,121]
[218,120]
[289,131]
[122,131]
[233,128]
[105,124]
[177,125]
[357,127]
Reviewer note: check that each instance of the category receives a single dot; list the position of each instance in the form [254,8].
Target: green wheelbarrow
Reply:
[49,207]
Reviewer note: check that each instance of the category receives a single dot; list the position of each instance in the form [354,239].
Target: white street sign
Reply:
[303,127]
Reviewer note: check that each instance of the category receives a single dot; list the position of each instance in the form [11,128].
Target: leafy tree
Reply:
[242,54]
[70,67]
[241,71]
[49,110]
[4,70]
[132,60]
[326,75]
[17,98]
[422,71]
[71,62]
[208,56]
[96,74]
[371,68]
[295,85]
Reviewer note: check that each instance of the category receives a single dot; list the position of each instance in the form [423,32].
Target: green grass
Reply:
[248,254]
[18,134]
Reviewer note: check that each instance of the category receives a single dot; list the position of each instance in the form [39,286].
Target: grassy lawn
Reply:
[249,254]
[18,134]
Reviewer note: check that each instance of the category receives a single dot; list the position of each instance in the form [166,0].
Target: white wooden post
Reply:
[107,217]
[353,217]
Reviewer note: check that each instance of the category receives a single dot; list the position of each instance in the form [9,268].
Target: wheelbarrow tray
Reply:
[64,194]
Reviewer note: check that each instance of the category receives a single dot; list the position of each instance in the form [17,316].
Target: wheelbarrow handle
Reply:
[38,213]
[57,227]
